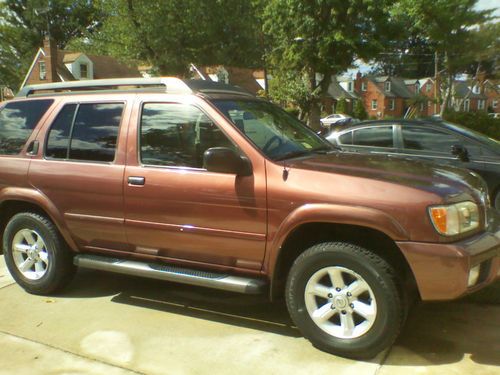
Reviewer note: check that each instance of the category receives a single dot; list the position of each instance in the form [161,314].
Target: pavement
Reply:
[113,324]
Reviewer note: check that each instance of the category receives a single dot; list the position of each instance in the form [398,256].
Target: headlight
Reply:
[456,218]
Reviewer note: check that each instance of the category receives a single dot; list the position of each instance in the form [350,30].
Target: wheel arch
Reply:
[16,200]
[307,234]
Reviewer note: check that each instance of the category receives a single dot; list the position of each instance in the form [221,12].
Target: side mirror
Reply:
[226,160]
[460,152]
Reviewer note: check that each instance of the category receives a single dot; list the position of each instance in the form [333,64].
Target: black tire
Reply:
[378,275]
[59,269]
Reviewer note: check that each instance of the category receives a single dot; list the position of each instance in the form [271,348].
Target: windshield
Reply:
[276,133]
[490,142]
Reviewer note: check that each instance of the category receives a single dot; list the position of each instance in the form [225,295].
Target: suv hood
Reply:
[445,181]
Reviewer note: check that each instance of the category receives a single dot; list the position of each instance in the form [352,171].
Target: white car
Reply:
[332,119]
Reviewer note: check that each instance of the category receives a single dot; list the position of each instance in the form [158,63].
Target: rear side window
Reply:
[85,132]
[17,121]
[378,136]
[428,139]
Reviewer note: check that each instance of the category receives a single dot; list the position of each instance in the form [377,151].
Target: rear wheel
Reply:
[345,300]
[36,255]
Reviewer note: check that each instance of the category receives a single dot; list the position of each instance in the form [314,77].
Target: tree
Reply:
[172,34]
[449,26]
[321,38]
[359,111]
[341,106]
[25,23]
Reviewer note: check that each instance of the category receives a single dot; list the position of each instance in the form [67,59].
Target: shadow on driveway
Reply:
[435,333]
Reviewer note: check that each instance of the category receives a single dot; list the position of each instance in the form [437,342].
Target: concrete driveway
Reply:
[112,324]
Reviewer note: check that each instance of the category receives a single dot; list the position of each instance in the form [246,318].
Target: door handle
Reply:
[136,180]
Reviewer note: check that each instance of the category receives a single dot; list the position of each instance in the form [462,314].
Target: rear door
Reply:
[81,171]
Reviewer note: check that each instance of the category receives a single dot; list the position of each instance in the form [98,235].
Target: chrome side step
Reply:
[221,281]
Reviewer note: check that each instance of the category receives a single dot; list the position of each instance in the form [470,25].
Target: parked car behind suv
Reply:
[204,184]
[434,140]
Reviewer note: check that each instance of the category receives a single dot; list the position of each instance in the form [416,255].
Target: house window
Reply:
[494,104]
[349,86]
[428,87]
[363,86]
[476,89]
[467,105]
[84,71]
[392,104]
[374,104]
[480,104]
[387,86]
[43,70]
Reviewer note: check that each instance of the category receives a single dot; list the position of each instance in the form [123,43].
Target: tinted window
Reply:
[58,140]
[177,135]
[92,136]
[346,139]
[428,139]
[377,136]
[17,121]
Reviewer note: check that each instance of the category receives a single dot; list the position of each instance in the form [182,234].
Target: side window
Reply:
[177,135]
[17,121]
[377,136]
[428,139]
[90,135]
[346,139]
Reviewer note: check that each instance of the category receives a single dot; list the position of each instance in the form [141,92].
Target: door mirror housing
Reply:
[226,160]
[460,152]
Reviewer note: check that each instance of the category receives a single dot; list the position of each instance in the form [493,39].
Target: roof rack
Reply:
[171,84]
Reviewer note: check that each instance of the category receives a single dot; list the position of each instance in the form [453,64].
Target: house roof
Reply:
[336,91]
[464,89]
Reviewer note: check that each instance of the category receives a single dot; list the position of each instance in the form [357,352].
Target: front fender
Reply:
[334,214]
[37,198]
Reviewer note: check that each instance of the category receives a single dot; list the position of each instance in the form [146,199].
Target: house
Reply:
[5,93]
[249,79]
[492,93]
[54,65]
[340,88]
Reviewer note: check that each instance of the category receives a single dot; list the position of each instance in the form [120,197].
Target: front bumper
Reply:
[442,270]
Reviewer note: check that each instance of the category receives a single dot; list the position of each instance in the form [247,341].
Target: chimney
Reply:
[357,82]
[50,49]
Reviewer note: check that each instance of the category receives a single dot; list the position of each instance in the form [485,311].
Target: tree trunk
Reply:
[446,100]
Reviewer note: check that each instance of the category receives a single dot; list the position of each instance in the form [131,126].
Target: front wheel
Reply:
[36,255]
[345,300]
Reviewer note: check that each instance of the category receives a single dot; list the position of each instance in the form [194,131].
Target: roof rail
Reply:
[172,85]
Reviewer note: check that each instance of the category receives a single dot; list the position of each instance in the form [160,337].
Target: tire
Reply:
[36,255]
[357,322]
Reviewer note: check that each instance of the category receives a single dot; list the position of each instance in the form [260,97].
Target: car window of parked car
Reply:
[177,135]
[428,139]
[376,136]
[86,132]
[17,121]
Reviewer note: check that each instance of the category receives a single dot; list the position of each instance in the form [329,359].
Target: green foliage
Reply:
[359,111]
[341,106]
[478,121]
[322,38]
[172,34]
[24,23]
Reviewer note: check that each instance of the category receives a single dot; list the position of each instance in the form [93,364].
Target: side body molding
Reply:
[37,198]
[334,214]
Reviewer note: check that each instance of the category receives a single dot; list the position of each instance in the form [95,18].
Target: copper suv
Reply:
[204,184]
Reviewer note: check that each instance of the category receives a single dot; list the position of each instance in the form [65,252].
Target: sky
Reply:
[490,4]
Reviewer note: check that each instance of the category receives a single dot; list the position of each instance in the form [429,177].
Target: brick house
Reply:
[492,93]
[248,79]
[54,65]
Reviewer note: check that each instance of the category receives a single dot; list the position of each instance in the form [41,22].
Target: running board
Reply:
[221,281]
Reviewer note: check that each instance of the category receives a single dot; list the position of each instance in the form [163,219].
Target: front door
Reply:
[176,209]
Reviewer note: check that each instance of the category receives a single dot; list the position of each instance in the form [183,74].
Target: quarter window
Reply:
[377,136]
[17,121]
[427,139]
[177,135]
[90,135]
